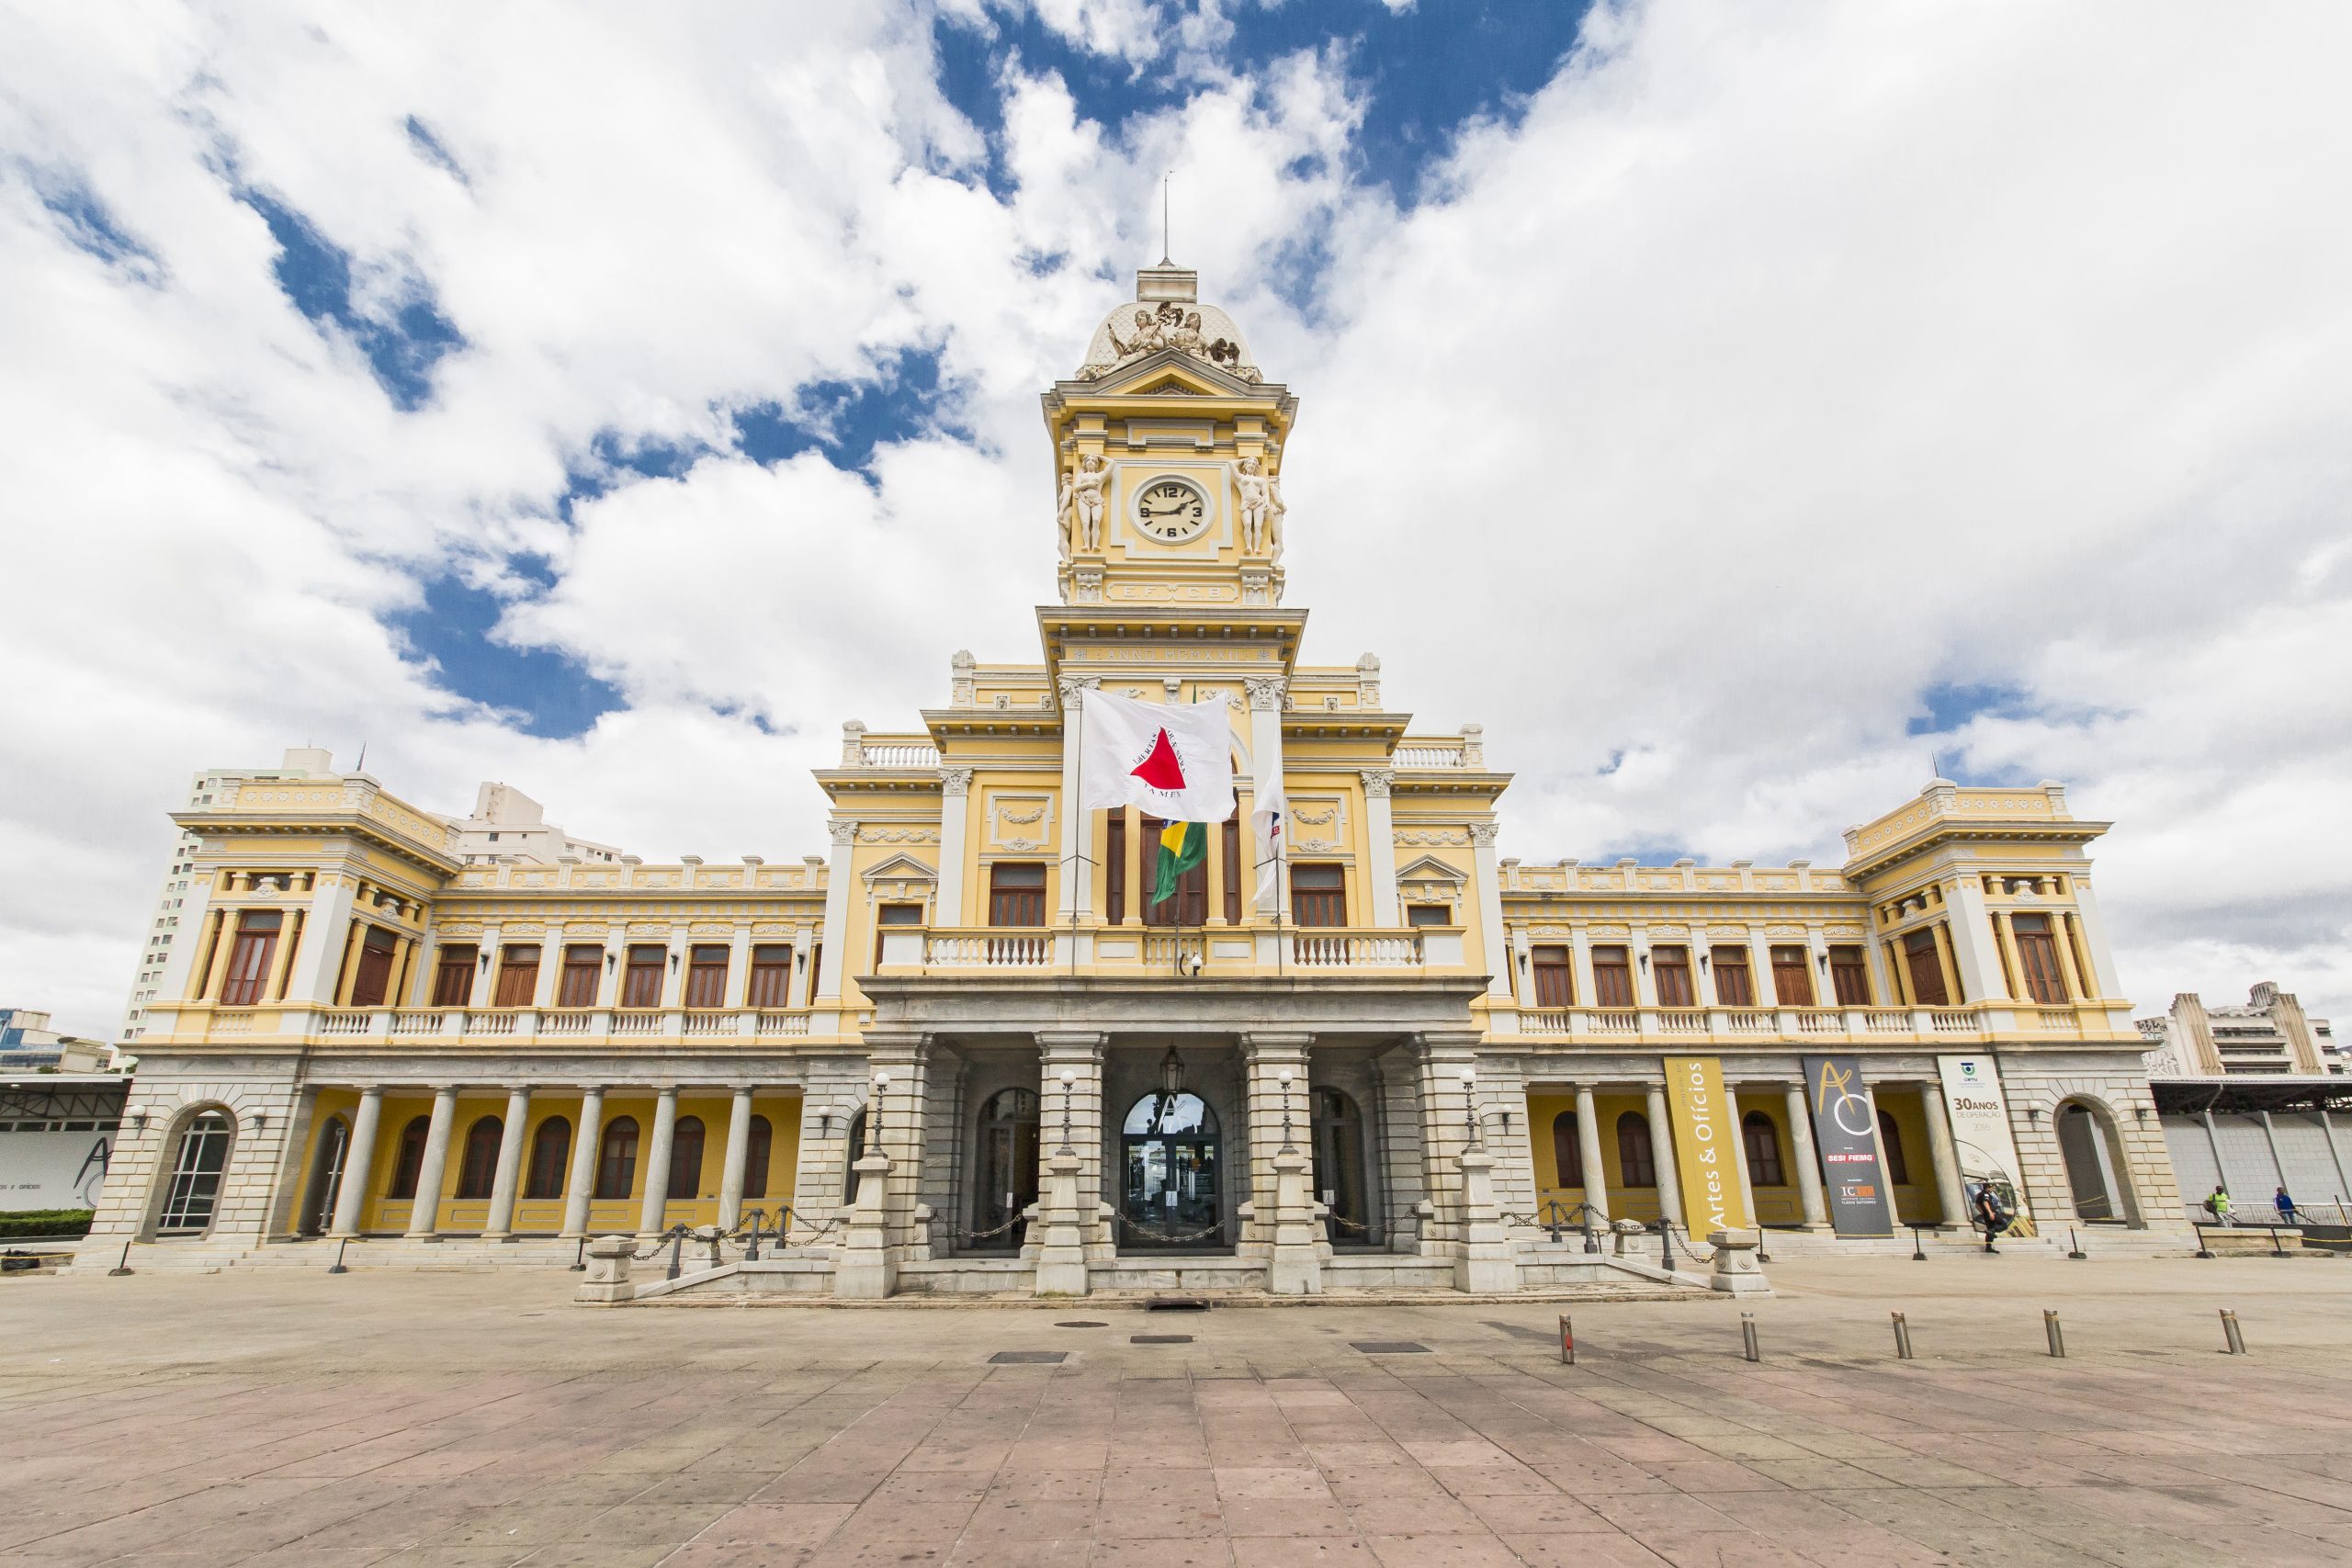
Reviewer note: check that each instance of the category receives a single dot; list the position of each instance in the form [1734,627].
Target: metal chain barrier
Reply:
[1697,1253]
[1168,1238]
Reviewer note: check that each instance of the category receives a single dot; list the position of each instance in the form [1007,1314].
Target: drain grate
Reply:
[1087,1323]
[1389,1347]
[1028,1358]
[1176,1303]
[1159,1339]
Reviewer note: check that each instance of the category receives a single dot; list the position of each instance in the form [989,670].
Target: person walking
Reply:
[1990,1214]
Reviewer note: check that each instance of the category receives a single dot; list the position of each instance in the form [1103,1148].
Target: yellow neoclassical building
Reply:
[964,1050]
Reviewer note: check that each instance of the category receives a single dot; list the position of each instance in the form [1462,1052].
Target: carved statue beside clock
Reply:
[1170,509]
[1261,510]
[1080,506]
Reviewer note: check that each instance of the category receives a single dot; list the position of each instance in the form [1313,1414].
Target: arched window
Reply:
[550,1147]
[758,1143]
[1890,1143]
[195,1191]
[410,1164]
[616,1158]
[479,1173]
[1635,1161]
[1763,1141]
[1568,1153]
[685,1158]
[849,1164]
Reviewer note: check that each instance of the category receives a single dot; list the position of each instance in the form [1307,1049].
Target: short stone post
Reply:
[1488,1264]
[864,1271]
[606,1283]
[1296,1267]
[1061,1253]
[1736,1270]
[1626,1231]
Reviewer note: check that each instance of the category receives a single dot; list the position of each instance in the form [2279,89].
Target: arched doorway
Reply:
[1170,1189]
[2094,1160]
[193,1189]
[1339,1167]
[1006,1180]
[326,1175]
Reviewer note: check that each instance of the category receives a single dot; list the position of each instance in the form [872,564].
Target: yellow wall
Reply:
[1915,1200]
[1622,1203]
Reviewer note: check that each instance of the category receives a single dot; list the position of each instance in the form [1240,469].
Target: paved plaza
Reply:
[453,1419]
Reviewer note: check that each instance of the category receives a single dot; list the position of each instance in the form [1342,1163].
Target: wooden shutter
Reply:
[1671,968]
[1319,894]
[1763,1141]
[2037,952]
[1927,975]
[373,980]
[518,975]
[1612,978]
[616,1158]
[1735,988]
[642,986]
[1635,1162]
[250,958]
[1554,980]
[1850,972]
[550,1147]
[1231,830]
[686,1159]
[1017,893]
[706,978]
[1792,978]
[771,977]
[453,980]
[1115,867]
[1568,1153]
[479,1170]
[580,966]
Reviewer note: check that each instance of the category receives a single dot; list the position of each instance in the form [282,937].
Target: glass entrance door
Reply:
[1171,1184]
[1007,1176]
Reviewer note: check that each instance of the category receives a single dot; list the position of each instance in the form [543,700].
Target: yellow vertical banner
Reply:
[1706,1156]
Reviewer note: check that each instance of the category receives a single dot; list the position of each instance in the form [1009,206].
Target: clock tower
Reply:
[1168,448]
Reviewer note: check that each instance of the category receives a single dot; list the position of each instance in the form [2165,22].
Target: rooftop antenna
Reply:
[1163,219]
[361,766]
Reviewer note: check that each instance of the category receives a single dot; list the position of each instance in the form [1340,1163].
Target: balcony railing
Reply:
[1237,952]
[1804,1024]
[502,1024]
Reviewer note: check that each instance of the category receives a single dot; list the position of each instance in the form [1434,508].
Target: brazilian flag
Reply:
[1182,846]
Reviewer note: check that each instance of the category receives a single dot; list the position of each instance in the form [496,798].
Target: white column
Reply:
[739,968]
[739,1147]
[2095,938]
[318,963]
[1669,1178]
[1974,954]
[501,1224]
[351,1198]
[425,1213]
[543,988]
[1581,955]
[1072,898]
[955,802]
[1596,1175]
[1266,773]
[1637,949]
[1759,970]
[1380,854]
[582,1180]
[1808,1163]
[838,879]
[1950,1191]
[652,1218]
[1739,1151]
[1490,906]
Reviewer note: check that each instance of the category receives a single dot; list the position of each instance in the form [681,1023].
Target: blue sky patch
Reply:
[1951,705]
[428,147]
[91,227]
[549,695]
[847,420]
[315,274]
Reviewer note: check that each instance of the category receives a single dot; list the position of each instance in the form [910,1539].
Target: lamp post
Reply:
[1470,1103]
[1283,1079]
[874,1122]
[1070,1082]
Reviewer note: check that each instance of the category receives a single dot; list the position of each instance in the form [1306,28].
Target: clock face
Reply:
[1171,510]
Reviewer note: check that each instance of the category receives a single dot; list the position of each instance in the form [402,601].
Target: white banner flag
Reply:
[1271,816]
[1174,759]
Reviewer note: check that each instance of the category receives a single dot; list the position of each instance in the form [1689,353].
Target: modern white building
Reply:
[509,828]
[2270,1034]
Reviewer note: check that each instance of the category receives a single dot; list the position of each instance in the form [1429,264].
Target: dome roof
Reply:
[1167,313]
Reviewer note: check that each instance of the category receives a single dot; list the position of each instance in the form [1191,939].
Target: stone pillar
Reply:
[318,965]
[1273,1075]
[1970,928]
[1295,1265]
[1266,693]
[652,1219]
[606,1280]
[1808,1162]
[426,1213]
[1669,1176]
[867,1268]
[955,802]
[1739,1152]
[1487,1263]
[1489,894]
[1071,898]
[1950,1191]
[1596,1175]
[582,1183]
[896,1123]
[1080,1054]
[1062,1202]
[838,881]
[739,1149]
[1380,853]
[1445,1104]
[358,1159]
[501,1224]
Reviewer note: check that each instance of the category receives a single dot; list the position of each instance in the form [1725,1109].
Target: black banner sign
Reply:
[1845,1129]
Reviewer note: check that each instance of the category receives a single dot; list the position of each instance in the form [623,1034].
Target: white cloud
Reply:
[1775,365]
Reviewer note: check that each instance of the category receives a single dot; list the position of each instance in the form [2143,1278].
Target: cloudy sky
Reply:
[1734,408]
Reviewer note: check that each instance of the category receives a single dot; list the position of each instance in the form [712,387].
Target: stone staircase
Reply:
[448,1255]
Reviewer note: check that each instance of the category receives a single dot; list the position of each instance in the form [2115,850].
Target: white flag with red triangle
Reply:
[1174,759]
